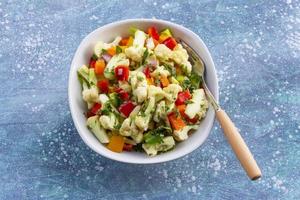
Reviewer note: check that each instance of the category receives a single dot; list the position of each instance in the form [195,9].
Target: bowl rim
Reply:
[139,20]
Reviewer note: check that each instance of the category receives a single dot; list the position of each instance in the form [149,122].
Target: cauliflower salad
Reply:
[141,93]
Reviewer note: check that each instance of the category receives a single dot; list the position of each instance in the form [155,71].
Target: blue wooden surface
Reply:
[256,49]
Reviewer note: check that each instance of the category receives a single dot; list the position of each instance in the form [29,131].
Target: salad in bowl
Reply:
[141,92]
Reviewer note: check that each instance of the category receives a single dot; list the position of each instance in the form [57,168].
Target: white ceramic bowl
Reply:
[108,33]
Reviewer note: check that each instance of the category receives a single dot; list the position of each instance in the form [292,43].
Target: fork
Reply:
[233,136]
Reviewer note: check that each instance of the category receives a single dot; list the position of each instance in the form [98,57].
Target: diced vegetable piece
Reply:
[124,41]
[116,143]
[155,42]
[193,121]
[152,32]
[181,109]
[164,35]
[94,124]
[183,97]
[103,85]
[150,81]
[99,67]
[164,81]
[122,94]
[127,147]
[115,99]
[122,73]
[193,108]
[176,122]
[147,72]
[103,98]
[117,60]
[92,63]
[178,70]
[95,108]
[126,108]
[111,51]
[182,134]
[170,43]
[180,78]
[119,49]
[130,41]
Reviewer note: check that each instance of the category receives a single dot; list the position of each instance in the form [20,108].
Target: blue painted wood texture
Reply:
[256,49]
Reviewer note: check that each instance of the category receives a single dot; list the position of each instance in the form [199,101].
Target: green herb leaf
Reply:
[145,55]
[104,51]
[118,49]
[138,147]
[156,136]
[94,57]
[115,99]
[170,68]
[151,138]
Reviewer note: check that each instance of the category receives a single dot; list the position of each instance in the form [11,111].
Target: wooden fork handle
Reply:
[238,145]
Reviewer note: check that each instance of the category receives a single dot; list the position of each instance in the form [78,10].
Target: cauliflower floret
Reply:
[157,92]
[102,45]
[172,91]
[136,51]
[119,59]
[180,56]
[152,149]
[128,127]
[139,85]
[141,93]
[143,118]
[150,44]
[163,52]
[125,129]
[125,86]
[108,121]
[160,111]
[160,71]
[94,125]
[90,95]
[182,134]
[103,98]
[198,106]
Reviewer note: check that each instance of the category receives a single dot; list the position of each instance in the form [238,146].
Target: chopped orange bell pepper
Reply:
[164,81]
[176,122]
[150,81]
[111,51]
[116,143]
[99,67]
[124,41]
[181,109]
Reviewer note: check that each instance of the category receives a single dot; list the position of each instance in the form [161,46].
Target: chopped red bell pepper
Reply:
[103,85]
[182,97]
[92,63]
[126,108]
[152,31]
[95,108]
[89,114]
[147,72]
[127,147]
[193,121]
[170,43]
[122,73]
[122,94]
